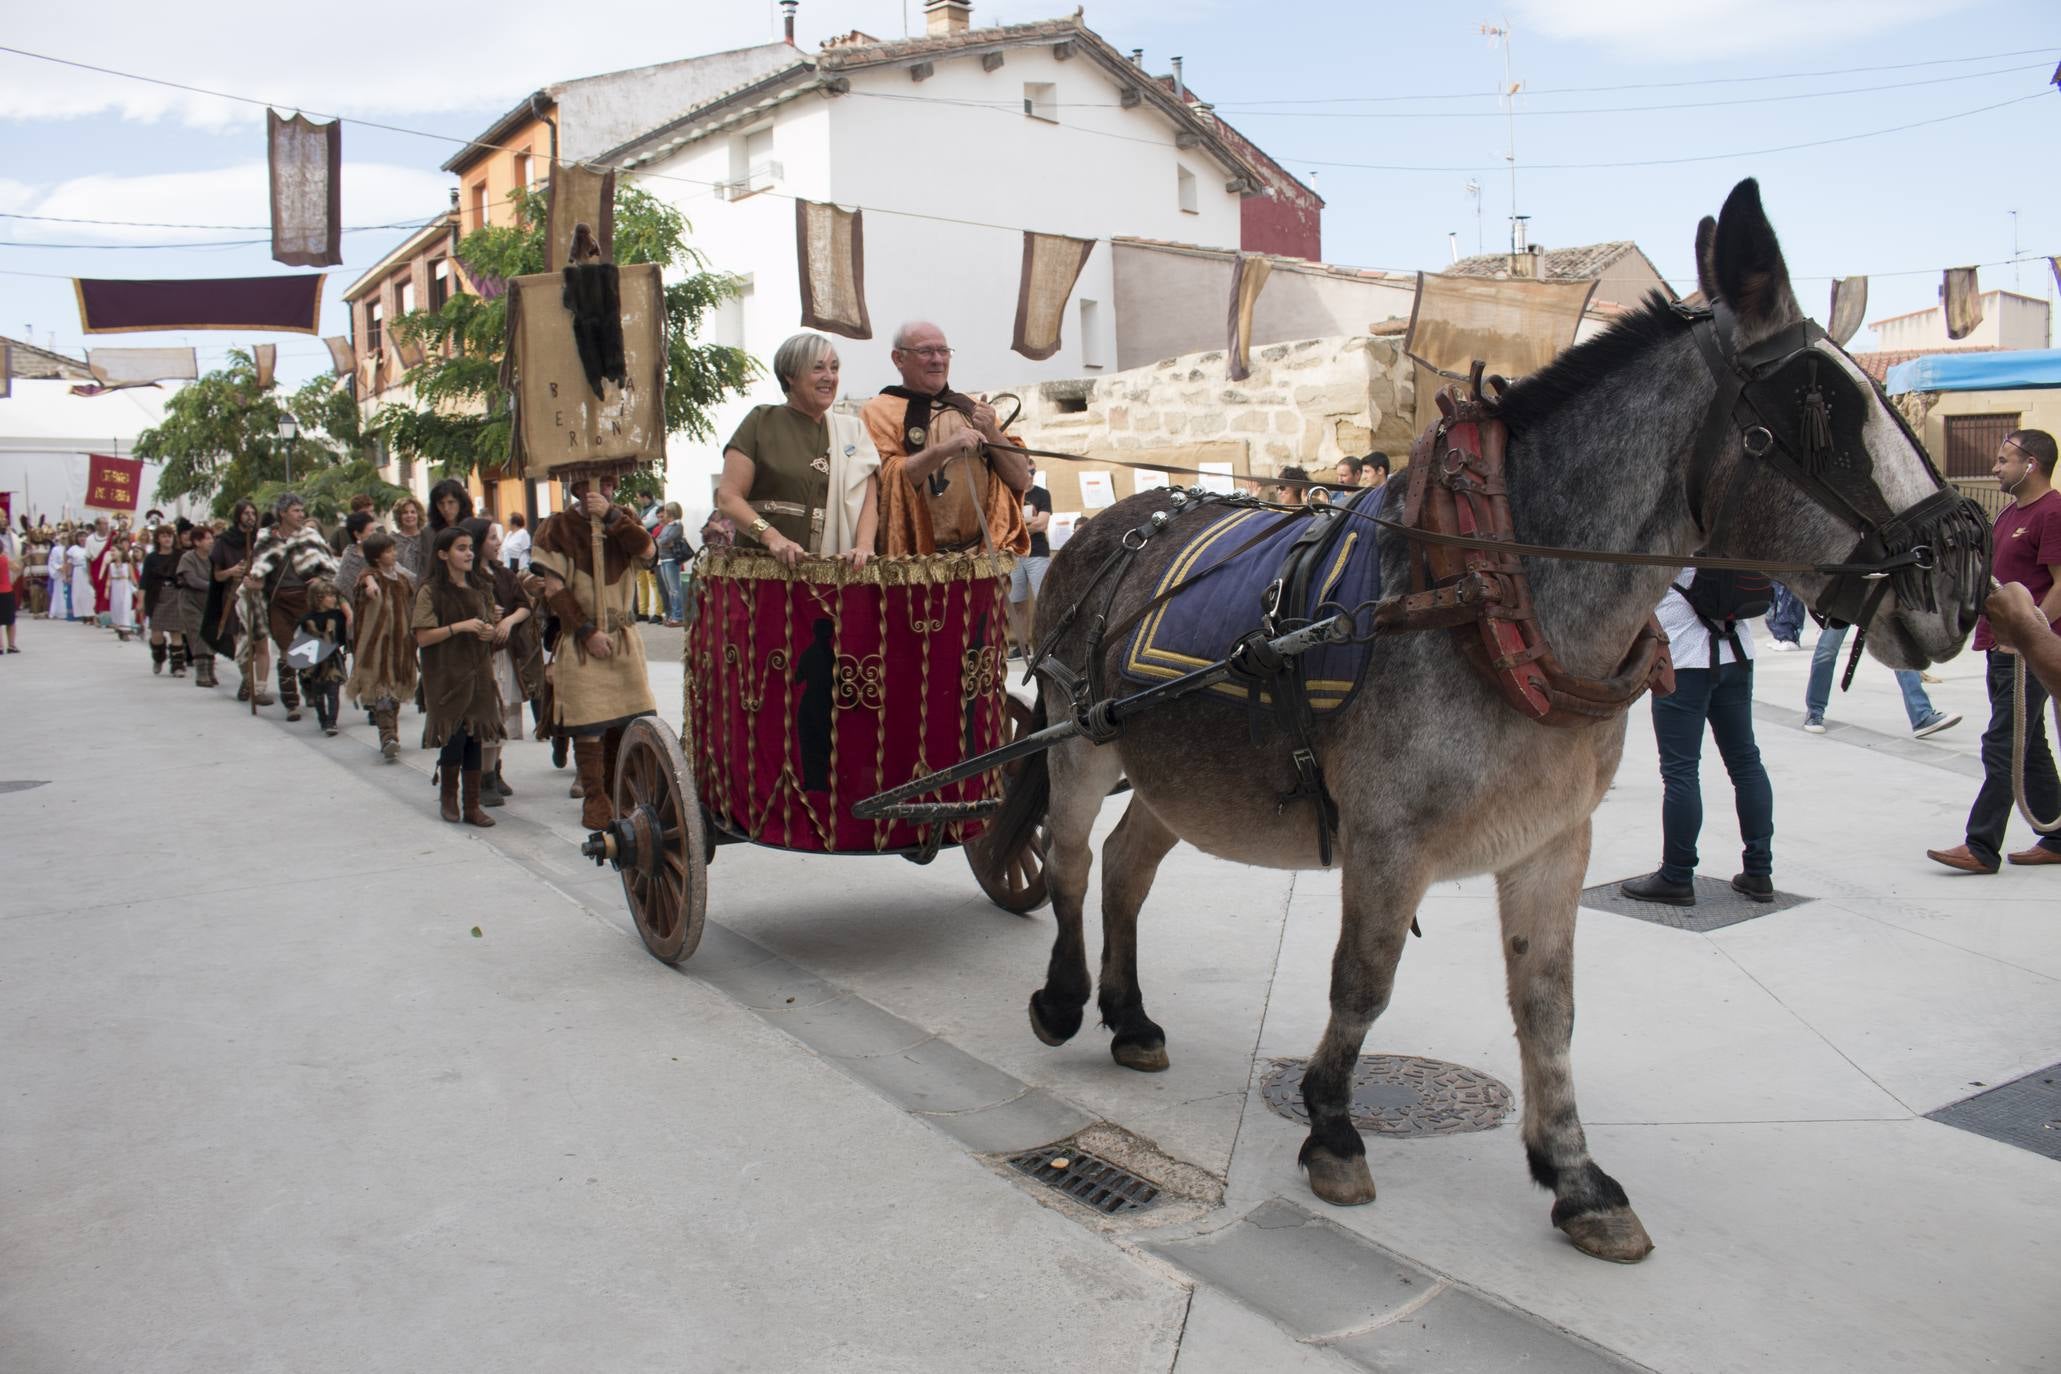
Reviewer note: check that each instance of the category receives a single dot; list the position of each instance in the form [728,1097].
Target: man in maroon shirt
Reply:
[2026,549]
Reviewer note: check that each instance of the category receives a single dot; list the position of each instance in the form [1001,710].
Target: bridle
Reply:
[1799,412]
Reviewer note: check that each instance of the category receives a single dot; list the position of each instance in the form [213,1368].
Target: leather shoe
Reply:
[1654,888]
[1755,887]
[2036,856]
[1959,857]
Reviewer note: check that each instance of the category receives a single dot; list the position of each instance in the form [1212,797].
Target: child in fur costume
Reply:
[383,671]
[330,622]
[454,622]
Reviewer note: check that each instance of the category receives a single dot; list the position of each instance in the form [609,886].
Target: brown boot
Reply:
[389,733]
[473,814]
[447,779]
[596,810]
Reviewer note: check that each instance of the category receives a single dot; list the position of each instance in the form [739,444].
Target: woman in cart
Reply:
[796,478]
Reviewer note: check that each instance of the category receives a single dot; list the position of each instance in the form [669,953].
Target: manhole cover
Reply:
[2025,1112]
[1400,1094]
[23,784]
[1089,1181]
[1717,905]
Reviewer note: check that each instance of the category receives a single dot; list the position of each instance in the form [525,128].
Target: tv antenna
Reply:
[1500,34]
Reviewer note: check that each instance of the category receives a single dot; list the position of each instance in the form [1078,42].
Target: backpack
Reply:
[1721,599]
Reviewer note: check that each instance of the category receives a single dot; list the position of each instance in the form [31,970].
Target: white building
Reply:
[2009,320]
[49,434]
[953,144]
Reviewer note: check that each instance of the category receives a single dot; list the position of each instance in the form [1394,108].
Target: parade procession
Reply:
[525,522]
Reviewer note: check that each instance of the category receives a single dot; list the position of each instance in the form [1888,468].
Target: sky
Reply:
[1633,119]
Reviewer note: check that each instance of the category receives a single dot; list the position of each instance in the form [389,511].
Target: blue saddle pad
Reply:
[1200,624]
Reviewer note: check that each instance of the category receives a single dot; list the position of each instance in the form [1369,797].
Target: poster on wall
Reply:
[1216,477]
[1098,490]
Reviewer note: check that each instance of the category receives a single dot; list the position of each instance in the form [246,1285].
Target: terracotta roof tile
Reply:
[1877,364]
[1557,264]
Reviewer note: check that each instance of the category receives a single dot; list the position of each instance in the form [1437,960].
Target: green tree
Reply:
[461,420]
[220,442]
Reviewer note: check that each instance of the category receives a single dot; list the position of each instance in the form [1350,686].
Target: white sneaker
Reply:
[1814,724]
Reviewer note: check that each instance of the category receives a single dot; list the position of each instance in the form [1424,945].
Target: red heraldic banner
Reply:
[113,483]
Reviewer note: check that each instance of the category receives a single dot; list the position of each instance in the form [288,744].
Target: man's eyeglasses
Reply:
[937,352]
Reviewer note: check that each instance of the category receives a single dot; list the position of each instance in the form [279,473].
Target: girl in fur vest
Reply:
[454,627]
[382,606]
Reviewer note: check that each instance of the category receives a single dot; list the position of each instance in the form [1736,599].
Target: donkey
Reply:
[1434,776]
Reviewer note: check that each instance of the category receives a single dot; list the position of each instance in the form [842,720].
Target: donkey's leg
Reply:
[1130,860]
[1379,904]
[1536,899]
[1081,777]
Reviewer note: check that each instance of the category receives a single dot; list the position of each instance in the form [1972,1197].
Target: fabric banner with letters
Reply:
[1247,280]
[1515,326]
[562,428]
[141,366]
[1849,304]
[830,246]
[578,194]
[287,304]
[1051,265]
[343,359]
[1963,296]
[307,190]
[113,483]
[265,357]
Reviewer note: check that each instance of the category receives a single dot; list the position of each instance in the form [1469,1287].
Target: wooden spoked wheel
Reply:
[1013,882]
[660,840]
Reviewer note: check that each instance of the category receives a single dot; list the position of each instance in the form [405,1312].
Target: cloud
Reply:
[395,65]
[373,193]
[1698,30]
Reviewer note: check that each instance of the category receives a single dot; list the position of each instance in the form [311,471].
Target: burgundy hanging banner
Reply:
[307,190]
[113,483]
[289,305]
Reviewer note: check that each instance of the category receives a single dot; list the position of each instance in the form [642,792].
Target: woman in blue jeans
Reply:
[1723,697]
[673,550]
[1926,719]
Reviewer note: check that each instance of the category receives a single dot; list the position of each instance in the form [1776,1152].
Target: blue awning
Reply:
[2015,370]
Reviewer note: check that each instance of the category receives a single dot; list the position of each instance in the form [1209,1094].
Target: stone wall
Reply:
[1307,404]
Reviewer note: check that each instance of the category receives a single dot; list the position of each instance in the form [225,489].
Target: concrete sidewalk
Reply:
[273,1105]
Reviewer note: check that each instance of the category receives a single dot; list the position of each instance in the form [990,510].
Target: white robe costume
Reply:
[121,592]
[76,559]
[60,589]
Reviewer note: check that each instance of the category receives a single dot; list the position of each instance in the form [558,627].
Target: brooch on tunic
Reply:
[820,463]
[916,435]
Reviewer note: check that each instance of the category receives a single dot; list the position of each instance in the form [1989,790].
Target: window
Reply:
[404,296]
[1041,101]
[752,167]
[1972,442]
[726,323]
[1091,333]
[439,283]
[373,338]
[479,205]
[526,170]
[1184,187]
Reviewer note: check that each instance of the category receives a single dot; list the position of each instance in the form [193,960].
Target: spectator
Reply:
[1925,718]
[515,547]
[1373,469]
[1295,486]
[1028,578]
[673,551]
[2025,547]
[1348,472]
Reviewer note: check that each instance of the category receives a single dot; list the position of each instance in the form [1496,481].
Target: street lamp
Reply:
[288,432]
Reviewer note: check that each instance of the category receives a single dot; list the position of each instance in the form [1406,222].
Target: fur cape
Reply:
[384,645]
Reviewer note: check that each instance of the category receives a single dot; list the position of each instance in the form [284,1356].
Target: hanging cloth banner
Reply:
[307,190]
[288,305]
[570,421]
[1963,296]
[142,366]
[1514,327]
[578,194]
[113,483]
[2055,263]
[830,246]
[1247,278]
[342,358]
[1849,304]
[485,285]
[1051,265]
[409,352]
[266,358]
[368,375]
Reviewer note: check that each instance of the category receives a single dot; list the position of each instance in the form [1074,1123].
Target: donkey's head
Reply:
[1803,459]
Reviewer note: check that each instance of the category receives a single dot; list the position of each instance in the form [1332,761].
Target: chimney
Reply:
[787,8]
[1453,243]
[1180,87]
[1137,57]
[943,18]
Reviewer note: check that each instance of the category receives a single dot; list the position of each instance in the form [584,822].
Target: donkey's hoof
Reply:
[1143,1058]
[1614,1234]
[1053,1027]
[1340,1182]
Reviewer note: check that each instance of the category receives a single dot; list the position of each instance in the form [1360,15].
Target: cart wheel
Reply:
[660,839]
[1013,882]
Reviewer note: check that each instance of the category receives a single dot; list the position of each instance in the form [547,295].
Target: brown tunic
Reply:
[457,674]
[790,480]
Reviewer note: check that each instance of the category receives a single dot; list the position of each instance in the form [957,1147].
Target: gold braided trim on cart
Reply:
[926,570]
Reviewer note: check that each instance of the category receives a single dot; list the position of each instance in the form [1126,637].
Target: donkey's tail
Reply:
[1025,797]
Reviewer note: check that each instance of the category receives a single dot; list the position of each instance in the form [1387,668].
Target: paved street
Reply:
[299,1078]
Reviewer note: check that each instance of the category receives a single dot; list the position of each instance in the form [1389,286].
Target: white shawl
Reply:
[853,462]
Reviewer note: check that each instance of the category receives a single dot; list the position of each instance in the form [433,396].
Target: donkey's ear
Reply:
[1706,260]
[1747,263]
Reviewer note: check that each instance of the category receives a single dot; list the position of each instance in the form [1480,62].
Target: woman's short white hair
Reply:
[797,355]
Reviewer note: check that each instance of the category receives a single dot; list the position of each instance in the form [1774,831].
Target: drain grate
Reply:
[2025,1112]
[1400,1094]
[1717,906]
[1092,1182]
[23,784]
